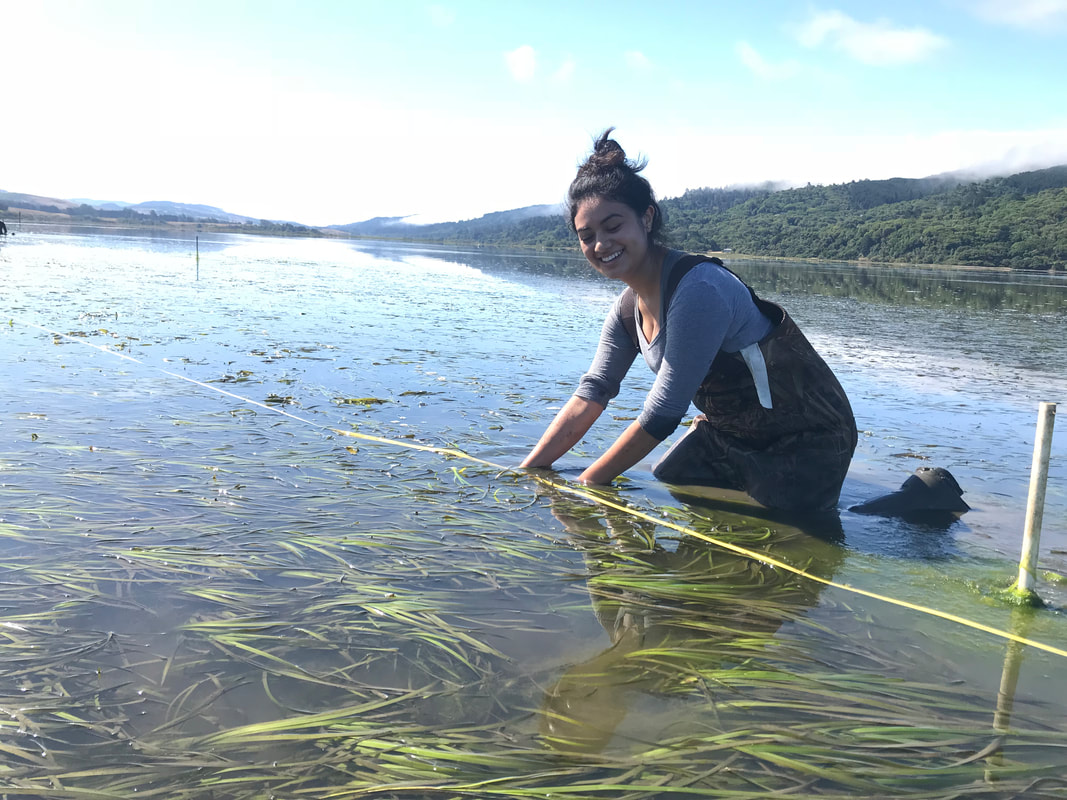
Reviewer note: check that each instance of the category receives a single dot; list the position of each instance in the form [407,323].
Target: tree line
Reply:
[1018,222]
[88,213]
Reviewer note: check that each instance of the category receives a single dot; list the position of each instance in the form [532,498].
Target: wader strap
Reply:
[757,365]
[752,355]
[680,270]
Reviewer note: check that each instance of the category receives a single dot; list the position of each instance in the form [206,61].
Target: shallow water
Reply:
[179,563]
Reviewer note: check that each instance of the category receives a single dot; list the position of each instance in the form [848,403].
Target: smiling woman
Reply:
[775,423]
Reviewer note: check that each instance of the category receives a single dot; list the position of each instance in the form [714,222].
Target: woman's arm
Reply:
[615,353]
[571,423]
[634,444]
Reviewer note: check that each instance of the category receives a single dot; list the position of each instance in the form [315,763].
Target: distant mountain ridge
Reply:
[544,226]
[1017,221]
[400,226]
[21,200]
[192,210]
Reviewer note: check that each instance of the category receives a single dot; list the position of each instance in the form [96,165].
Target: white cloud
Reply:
[637,60]
[1040,14]
[877,43]
[522,63]
[762,68]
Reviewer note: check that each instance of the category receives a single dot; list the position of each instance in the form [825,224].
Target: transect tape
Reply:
[585,495]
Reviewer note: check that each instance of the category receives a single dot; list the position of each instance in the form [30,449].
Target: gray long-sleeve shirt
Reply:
[711,310]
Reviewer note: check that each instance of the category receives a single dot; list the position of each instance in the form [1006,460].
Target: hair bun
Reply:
[607,152]
[608,155]
[607,173]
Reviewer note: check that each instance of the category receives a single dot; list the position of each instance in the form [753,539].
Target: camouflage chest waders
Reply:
[792,456]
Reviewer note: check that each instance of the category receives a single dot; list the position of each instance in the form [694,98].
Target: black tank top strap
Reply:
[771,311]
[681,268]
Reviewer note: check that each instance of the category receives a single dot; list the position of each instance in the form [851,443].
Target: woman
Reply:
[775,422]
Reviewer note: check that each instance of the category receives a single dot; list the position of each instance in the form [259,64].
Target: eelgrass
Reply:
[369,625]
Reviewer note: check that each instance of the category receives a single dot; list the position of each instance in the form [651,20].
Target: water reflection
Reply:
[673,616]
[512,263]
[930,287]
[961,288]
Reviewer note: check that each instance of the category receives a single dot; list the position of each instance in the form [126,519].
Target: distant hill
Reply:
[484,229]
[378,226]
[1018,221]
[20,200]
[152,213]
[190,210]
[187,212]
[545,226]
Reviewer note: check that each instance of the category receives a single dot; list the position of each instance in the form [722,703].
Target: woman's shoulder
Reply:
[622,308]
[708,273]
[706,288]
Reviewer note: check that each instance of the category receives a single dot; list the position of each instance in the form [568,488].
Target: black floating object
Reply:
[930,491]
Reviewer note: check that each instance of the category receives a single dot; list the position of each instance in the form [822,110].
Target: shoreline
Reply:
[865,262]
[36,217]
[14,217]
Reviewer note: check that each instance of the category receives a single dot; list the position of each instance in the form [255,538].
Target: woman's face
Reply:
[614,239]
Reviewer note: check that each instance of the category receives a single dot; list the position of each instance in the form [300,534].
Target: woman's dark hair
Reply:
[609,174]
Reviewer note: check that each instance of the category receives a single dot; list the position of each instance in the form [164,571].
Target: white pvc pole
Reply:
[1035,503]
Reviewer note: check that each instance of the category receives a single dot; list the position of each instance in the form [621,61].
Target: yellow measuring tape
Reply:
[591,497]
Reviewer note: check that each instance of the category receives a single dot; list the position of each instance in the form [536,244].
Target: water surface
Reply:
[205,581]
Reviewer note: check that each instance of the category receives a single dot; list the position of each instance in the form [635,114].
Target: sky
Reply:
[335,112]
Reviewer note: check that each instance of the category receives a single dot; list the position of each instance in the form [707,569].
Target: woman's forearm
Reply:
[571,423]
[633,445]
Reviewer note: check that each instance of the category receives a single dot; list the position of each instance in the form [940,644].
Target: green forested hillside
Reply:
[1018,221]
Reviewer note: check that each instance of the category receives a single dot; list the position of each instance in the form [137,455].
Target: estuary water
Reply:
[200,568]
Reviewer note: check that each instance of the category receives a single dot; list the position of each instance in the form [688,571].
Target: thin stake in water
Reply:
[1035,504]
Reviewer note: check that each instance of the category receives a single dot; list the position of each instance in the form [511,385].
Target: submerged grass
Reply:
[279,615]
[418,641]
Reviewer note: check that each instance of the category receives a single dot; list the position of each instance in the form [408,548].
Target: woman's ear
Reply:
[648,217]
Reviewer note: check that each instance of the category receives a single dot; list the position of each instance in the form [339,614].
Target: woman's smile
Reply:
[614,239]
